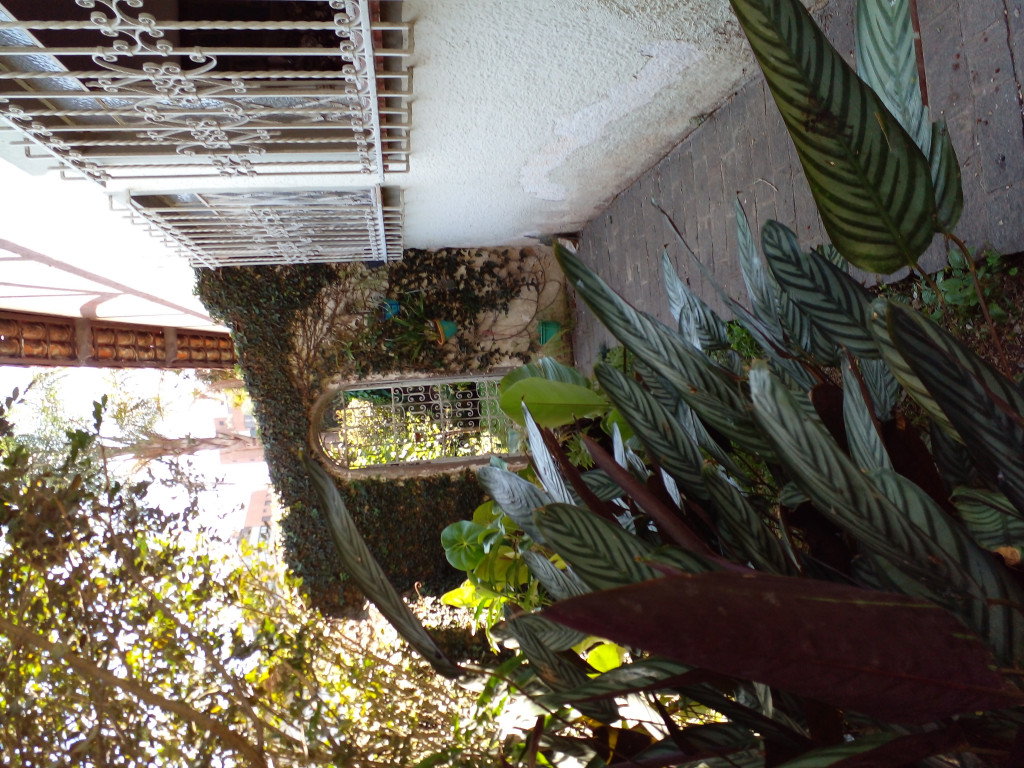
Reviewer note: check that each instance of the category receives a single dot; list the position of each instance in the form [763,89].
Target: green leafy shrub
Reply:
[777,543]
[402,521]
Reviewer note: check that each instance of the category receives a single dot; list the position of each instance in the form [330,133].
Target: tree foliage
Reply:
[128,641]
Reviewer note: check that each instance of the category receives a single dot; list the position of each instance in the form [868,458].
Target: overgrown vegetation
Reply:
[129,639]
[284,321]
[778,568]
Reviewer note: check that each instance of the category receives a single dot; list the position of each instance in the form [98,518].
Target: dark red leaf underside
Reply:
[885,655]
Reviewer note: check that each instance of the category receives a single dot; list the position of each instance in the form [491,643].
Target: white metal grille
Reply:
[239,229]
[436,420]
[271,88]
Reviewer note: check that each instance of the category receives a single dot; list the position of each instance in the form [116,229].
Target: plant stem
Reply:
[982,302]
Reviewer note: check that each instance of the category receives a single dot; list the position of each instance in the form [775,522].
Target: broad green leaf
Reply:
[865,441]
[882,385]
[949,189]
[516,497]
[761,288]
[995,609]
[990,518]
[462,545]
[605,657]
[887,61]
[556,670]
[544,368]
[560,584]
[544,464]
[985,408]
[369,576]
[857,649]
[664,439]
[707,388]
[744,525]
[554,636]
[870,181]
[900,368]
[842,493]
[710,329]
[603,555]
[833,301]
[552,403]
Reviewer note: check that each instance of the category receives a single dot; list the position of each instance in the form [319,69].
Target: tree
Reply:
[126,640]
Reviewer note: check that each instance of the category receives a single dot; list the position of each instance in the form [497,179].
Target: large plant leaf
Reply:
[544,463]
[560,584]
[870,181]
[516,497]
[862,430]
[661,435]
[744,526]
[559,670]
[995,609]
[366,572]
[887,61]
[844,495]
[707,388]
[761,288]
[851,648]
[602,554]
[544,368]
[711,330]
[990,518]
[901,369]
[552,403]
[835,303]
[949,188]
[984,407]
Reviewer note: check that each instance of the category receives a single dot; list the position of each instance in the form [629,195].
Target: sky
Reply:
[223,508]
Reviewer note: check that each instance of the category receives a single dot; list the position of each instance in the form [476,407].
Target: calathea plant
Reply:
[801,575]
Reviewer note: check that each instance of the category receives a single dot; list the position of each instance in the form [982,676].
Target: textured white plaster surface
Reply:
[529,116]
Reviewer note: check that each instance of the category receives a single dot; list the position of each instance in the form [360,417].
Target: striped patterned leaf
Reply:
[887,61]
[544,463]
[985,408]
[514,496]
[833,257]
[949,188]
[710,329]
[603,555]
[995,609]
[661,435]
[843,494]
[871,182]
[687,419]
[644,675]
[553,636]
[366,572]
[761,288]
[882,386]
[990,518]
[901,369]
[866,446]
[711,391]
[557,670]
[601,485]
[836,304]
[745,526]
[560,584]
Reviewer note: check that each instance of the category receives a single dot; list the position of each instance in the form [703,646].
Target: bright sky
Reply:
[231,484]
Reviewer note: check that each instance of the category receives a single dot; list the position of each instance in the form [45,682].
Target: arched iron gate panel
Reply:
[439,421]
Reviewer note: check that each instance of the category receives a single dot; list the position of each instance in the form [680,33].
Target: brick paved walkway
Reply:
[974,60]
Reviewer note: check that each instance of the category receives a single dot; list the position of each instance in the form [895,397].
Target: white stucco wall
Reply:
[529,116]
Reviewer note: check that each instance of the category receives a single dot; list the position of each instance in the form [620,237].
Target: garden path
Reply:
[974,59]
